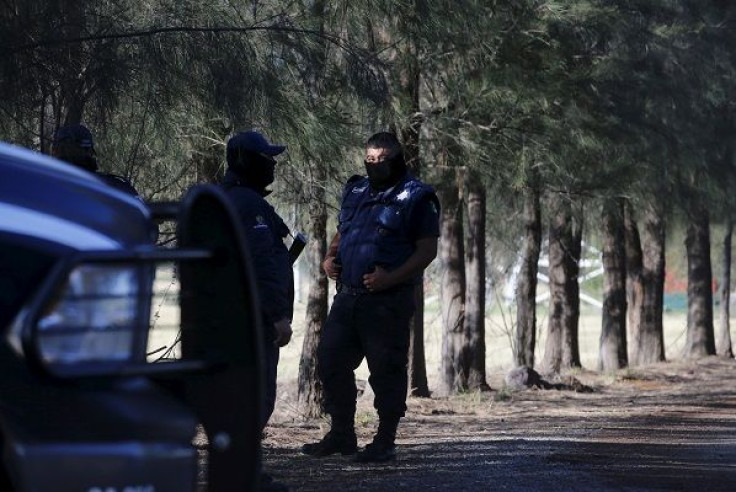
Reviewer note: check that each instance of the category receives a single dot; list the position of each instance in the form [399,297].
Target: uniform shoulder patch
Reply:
[260,222]
[353,185]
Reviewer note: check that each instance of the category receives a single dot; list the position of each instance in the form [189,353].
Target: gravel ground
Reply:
[664,427]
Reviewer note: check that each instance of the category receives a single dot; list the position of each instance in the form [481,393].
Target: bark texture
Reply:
[645,265]
[409,87]
[475,294]
[612,353]
[634,281]
[453,375]
[723,339]
[700,340]
[309,385]
[417,362]
[526,287]
[561,350]
[74,72]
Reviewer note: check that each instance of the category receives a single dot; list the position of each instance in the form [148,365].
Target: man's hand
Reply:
[331,268]
[382,279]
[378,280]
[283,332]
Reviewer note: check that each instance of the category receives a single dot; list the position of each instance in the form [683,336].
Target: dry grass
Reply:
[499,356]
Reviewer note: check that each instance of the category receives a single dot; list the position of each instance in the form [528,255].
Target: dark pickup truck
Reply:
[88,401]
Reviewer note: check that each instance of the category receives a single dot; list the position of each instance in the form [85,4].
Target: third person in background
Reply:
[74,144]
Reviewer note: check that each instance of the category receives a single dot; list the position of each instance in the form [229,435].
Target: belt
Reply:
[357,291]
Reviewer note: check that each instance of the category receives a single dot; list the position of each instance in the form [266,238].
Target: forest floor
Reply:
[669,426]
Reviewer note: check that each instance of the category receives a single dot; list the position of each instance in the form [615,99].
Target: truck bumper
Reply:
[103,467]
[129,437]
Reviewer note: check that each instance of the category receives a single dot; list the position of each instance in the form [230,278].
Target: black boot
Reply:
[377,452]
[341,438]
[382,448]
[333,442]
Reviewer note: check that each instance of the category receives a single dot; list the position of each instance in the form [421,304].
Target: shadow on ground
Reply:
[677,434]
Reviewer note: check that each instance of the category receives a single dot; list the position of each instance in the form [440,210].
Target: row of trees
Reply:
[534,119]
[621,122]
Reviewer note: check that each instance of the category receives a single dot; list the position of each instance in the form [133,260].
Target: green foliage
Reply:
[591,98]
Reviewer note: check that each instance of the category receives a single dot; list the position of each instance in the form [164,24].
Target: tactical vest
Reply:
[374,227]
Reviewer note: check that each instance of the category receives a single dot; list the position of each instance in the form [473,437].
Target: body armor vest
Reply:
[374,227]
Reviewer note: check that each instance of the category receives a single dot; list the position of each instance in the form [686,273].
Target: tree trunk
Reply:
[310,388]
[645,284]
[723,344]
[418,385]
[475,295]
[45,125]
[700,338]
[571,350]
[634,280]
[72,78]
[409,86]
[723,340]
[526,287]
[454,375]
[612,354]
[561,350]
[651,338]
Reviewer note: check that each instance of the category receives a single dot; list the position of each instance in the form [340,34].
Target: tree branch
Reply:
[334,39]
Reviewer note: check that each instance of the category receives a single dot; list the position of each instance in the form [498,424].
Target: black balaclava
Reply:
[382,175]
[74,144]
[85,158]
[88,162]
[255,170]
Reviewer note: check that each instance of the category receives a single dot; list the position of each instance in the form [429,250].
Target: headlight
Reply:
[94,317]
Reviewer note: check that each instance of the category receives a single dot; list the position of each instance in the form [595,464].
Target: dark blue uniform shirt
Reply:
[265,232]
[382,228]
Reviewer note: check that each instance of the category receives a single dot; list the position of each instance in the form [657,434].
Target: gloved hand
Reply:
[283,331]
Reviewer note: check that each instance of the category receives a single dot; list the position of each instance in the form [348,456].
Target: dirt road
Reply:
[666,427]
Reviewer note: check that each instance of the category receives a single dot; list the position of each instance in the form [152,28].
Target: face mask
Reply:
[85,158]
[88,162]
[379,173]
[258,171]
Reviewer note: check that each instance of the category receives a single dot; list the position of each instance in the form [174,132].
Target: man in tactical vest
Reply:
[74,144]
[387,235]
[251,165]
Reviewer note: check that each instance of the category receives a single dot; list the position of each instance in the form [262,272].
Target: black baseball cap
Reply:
[253,141]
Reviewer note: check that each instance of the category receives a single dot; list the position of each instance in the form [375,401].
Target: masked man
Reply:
[387,235]
[74,145]
[251,165]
